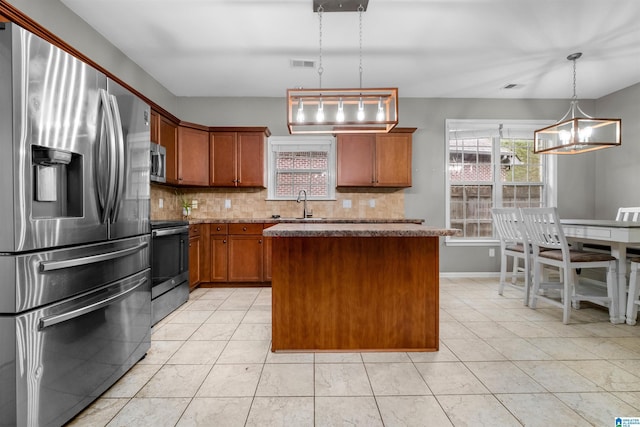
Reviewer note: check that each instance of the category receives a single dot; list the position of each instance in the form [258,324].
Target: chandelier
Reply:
[348,110]
[572,134]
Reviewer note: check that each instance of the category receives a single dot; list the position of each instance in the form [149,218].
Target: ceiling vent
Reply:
[512,86]
[303,63]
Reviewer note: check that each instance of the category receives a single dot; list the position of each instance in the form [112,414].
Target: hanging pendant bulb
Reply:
[320,113]
[380,114]
[300,115]
[340,113]
[360,115]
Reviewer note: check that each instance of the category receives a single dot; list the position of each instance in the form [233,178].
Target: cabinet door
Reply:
[393,160]
[218,258]
[356,156]
[250,159]
[193,157]
[245,258]
[194,261]
[155,126]
[223,162]
[168,138]
[266,256]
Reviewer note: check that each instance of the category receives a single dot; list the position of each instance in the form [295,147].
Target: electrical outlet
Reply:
[492,252]
[160,203]
[227,203]
[194,204]
[346,203]
[372,203]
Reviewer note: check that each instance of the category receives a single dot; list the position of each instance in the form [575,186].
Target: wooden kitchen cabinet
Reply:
[375,160]
[245,252]
[266,256]
[218,253]
[193,155]
[236,253]
[237,157]
[195,255]
[167,135]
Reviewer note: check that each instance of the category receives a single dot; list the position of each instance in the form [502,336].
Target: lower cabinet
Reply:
[236,253]
[195,255]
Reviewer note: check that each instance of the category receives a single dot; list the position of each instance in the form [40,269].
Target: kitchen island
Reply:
[355,287]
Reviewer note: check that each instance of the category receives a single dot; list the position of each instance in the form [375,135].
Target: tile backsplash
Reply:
[251,203]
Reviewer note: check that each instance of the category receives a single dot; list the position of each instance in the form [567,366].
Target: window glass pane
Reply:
[301,170]
[491,164]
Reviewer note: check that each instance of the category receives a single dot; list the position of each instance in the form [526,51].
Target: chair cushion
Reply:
[578,256]
[516,248]
[636,260]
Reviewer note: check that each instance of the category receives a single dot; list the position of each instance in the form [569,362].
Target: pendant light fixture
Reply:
[577,134]
[349,110]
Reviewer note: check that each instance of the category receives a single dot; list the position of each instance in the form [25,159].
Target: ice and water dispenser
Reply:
[57,189]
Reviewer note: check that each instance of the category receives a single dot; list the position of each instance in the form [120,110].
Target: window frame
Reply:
[301,143]
[496,130]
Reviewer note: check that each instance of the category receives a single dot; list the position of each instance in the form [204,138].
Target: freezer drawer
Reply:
[33,279]
[54,361]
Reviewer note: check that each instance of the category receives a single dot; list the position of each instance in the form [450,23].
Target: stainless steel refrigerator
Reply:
[75,309]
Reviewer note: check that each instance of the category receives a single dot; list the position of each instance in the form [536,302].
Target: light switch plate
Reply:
[227,203]
[160,203]
[346,203]
[194,204]
[372,203]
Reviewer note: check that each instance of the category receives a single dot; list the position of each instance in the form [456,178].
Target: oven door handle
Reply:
[45,322]
[77,262]
[168,232]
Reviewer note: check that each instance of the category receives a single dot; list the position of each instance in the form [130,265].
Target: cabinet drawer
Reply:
[218,228]
[194,230]
[245,228]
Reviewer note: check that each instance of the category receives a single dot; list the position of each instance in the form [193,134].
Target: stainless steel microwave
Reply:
[158,163]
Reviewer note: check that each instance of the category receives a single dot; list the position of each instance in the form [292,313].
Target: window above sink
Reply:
[301,163]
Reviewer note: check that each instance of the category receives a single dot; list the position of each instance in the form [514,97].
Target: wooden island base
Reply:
[355,293]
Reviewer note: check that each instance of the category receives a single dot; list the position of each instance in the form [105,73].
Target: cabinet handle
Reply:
[244,228]
[224,241]
[217,228]
[260,241]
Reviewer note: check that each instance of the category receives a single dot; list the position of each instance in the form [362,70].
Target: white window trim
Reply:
[550,167]
[301,143]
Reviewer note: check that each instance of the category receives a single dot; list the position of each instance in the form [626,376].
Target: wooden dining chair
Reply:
[513,244]
[545,231]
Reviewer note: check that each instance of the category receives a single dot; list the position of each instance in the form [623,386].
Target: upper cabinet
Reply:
[237,157]
[165,133]
[193,155]
[375,160]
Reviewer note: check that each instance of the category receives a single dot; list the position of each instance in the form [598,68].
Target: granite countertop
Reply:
[357,230]
[308,220]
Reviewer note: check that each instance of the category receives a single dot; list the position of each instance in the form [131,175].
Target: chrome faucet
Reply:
[304,206]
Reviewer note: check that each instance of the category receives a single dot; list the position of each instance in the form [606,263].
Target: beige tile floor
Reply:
[499,364]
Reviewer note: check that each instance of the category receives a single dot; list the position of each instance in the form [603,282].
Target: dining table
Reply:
[618,236]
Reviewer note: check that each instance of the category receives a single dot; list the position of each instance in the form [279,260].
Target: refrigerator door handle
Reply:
[111,156]
[77,262]
[45,322]
[120,165]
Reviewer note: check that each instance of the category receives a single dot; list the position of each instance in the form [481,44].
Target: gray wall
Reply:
[618,169]
[589,185]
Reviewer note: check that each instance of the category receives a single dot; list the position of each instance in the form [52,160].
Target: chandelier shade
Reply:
[577,132]
[349,110]
[578,135]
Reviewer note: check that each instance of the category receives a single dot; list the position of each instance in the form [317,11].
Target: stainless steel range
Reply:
[169,267]
[75,292]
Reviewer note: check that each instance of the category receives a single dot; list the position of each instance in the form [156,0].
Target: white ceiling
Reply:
[426,48]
